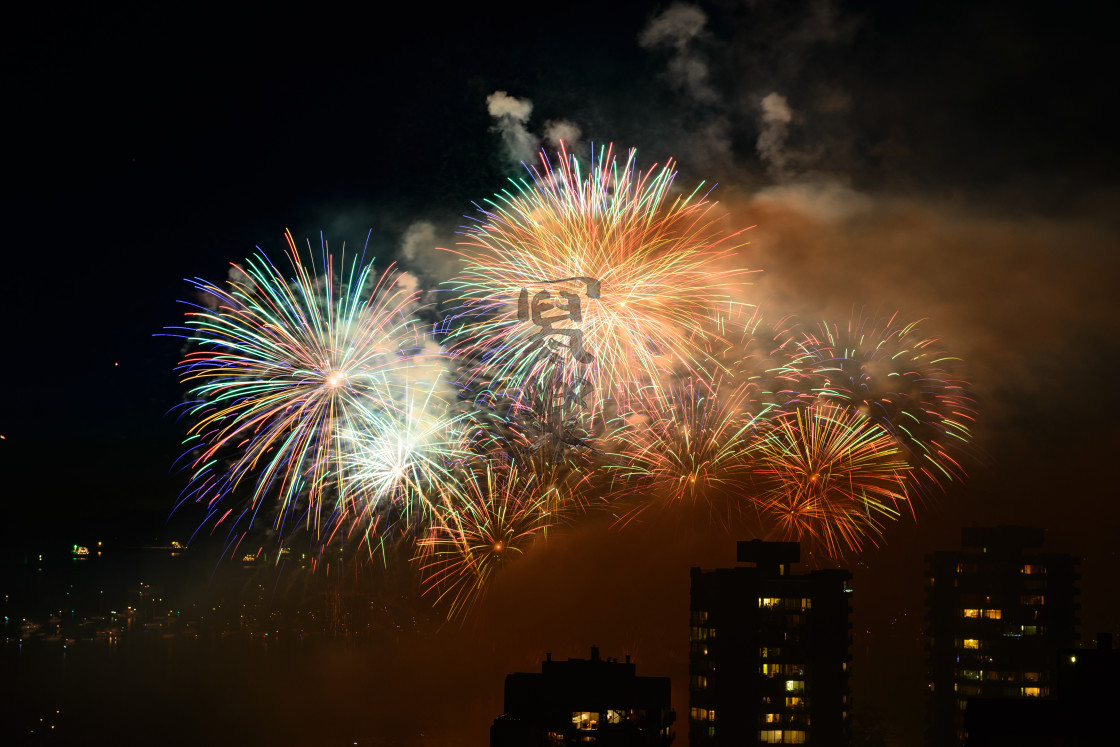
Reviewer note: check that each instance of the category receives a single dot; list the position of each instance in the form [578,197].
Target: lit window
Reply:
[772,718]
[770,736]
[585,720]
[795,701]
[1033,599]
[699,682]
[1033,629]
[769,601]
[1033,568]
[1031,692]
[971,613]
[699,633]
[794,736]
[1032,676]
[993,614]
[795,686]
[971,643]
[700,616]
[972,674]
[614,717]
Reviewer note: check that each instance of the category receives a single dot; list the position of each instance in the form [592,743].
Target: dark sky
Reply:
[951,160]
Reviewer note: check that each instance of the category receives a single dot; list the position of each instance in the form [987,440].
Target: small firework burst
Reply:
[692,451]
[828,475]
[496,513]
[903,381]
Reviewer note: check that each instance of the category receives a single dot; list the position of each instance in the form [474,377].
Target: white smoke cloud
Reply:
[556,130]
[408,282]
[676,26]
[420,252]
[512,115]
[772,134]
[708,146]
[823,23]
[677,29]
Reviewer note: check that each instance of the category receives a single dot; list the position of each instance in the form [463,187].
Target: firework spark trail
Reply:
[496,513]
[828,475]
[648,270]
[399,459]
[279,368]
[761,355]
[692,451]
[903,381]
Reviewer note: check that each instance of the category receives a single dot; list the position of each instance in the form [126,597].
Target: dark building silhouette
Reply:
[585,701]
[999,612]
[770,652]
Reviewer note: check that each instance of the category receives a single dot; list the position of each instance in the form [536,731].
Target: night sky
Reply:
[952,161]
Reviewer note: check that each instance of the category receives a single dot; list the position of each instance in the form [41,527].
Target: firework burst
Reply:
[496,513]
[828,475]
[399,459]
[603,275]
[901,380]
[761,354]
[279,369]
[693,451]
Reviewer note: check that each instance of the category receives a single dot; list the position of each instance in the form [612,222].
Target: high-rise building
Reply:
[770,651]
[999,611]
[1088,687]
[585,701]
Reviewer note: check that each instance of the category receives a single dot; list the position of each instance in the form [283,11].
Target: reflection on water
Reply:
[154,646]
